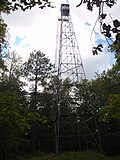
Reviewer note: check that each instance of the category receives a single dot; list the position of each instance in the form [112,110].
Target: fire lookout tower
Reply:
[70,71]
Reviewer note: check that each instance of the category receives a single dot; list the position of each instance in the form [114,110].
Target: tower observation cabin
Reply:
[65,10]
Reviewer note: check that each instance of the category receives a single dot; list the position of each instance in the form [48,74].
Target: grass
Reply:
[88,155]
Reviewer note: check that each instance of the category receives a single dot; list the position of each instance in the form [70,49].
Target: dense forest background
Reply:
[27,102]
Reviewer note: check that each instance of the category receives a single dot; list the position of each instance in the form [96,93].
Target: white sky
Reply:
[38,28]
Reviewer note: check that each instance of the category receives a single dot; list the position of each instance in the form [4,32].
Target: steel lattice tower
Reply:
[68,64]
[68,59]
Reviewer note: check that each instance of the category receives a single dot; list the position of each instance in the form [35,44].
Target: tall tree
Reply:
[3,36]
[115,47]
[15,65]
[37,70]
[13,117]
[107,86]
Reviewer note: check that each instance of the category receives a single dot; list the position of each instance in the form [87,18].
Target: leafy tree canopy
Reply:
[6,5]
[97,3]
[106,29]
[112,110]
[3,37]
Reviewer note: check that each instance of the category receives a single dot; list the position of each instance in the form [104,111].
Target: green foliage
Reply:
[15,66]
[38,71]
[114,102]
[37,68]
[115,47]
[6,6]
[97,3]
[110,88]
[34,116]
[16,120]
[112,110]
[3,37]
[107,88]
[13,123]
[106,29]
[12,112]
[3,29]
[3,67]
[87,155]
